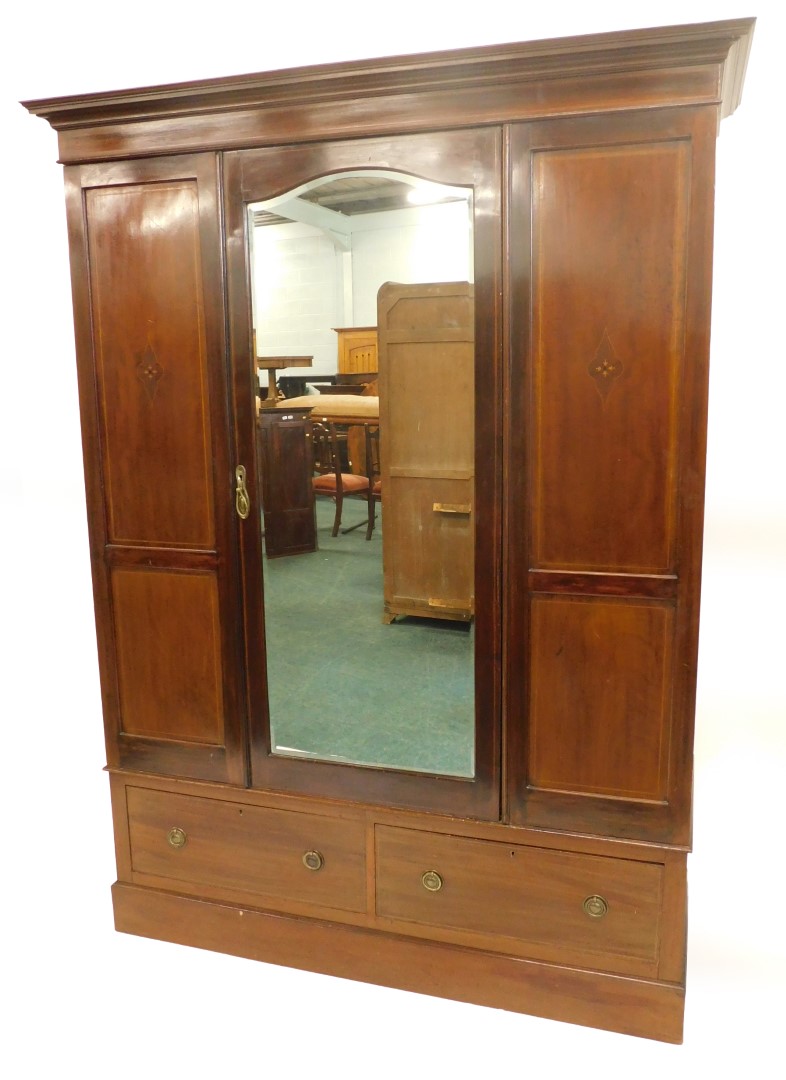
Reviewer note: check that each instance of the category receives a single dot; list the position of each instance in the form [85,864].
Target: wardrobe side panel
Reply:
[610,239]
[149,313]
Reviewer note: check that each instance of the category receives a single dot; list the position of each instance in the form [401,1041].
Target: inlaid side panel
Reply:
[148,319]
[608,296]
[600,697]
[169,660]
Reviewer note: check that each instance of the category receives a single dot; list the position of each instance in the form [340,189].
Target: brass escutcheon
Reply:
[432,881]
[595,906]
[312,860]
[177,837]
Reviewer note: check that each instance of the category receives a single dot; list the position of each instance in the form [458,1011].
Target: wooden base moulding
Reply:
[622,1004]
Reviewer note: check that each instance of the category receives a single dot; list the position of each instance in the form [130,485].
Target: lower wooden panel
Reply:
[617,1003]
[176,710]
[169,758]
[600,696]
[168,639]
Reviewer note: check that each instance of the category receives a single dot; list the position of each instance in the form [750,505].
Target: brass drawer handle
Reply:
[176,837]
[595,906]
[432,881]
[313,860]
[453,508]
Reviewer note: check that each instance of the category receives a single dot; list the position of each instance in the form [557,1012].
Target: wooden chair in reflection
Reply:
[329,480]
[369,439]
[374,474]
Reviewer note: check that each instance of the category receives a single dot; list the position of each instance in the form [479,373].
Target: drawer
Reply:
[551,904]
[223,846]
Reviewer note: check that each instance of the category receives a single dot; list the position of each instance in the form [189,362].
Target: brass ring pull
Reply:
[595,906]
[176,837]
[432,881]
[312,860]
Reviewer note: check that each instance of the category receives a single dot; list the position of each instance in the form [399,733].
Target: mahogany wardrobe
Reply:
[543,868]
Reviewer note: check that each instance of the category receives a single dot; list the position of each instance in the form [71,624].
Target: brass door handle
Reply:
[242,501]
[452,508]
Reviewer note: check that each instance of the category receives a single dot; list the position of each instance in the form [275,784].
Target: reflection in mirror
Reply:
[363,319]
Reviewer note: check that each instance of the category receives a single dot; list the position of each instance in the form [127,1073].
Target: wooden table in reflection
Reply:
[352,411]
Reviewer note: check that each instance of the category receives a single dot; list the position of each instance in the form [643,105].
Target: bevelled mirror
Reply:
[382,606]
[368,273]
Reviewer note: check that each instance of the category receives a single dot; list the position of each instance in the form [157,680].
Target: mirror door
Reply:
[364,284]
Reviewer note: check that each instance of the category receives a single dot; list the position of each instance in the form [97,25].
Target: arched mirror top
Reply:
[353,191]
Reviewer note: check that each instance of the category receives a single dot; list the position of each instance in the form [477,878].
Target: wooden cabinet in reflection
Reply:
[426,392]
[357,349]
[284,454]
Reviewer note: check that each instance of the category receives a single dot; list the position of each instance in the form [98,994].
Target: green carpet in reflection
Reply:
[345,687]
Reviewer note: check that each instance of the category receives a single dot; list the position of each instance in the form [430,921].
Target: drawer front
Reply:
[232,846]
[553,899]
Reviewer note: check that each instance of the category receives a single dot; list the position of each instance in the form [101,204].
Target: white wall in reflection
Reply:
[306,283]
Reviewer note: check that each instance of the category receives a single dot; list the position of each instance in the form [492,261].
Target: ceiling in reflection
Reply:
[352,195]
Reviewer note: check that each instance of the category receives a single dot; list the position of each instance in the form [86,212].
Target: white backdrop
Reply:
[84,1001]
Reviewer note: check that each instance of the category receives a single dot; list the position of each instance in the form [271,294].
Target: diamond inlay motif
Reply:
[606,367]
[148,370]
